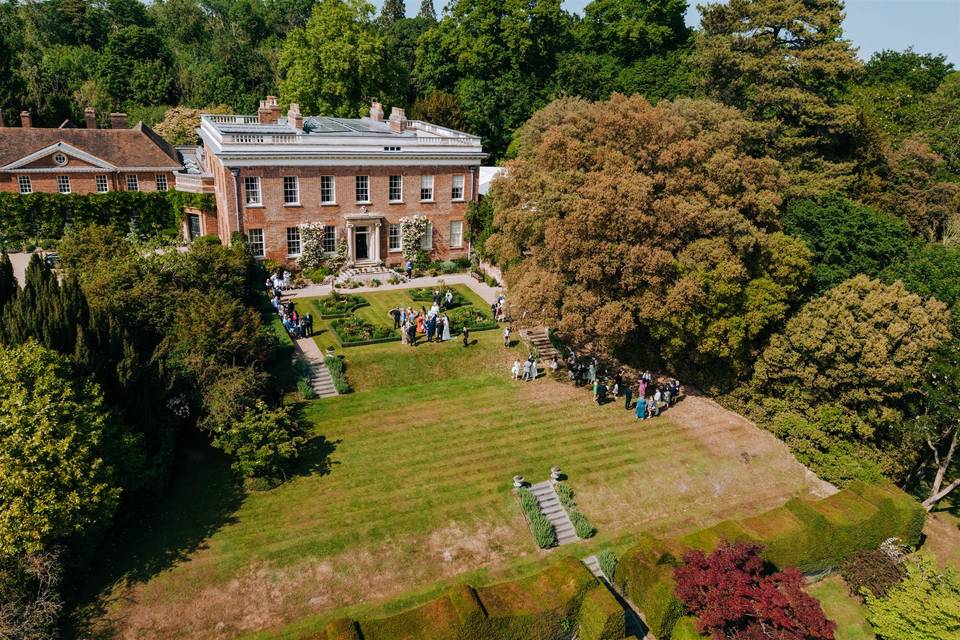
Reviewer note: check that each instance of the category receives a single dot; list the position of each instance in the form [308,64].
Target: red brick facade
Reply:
[83,182]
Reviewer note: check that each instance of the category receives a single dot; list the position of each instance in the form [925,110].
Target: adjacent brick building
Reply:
[358,177]
[70,159]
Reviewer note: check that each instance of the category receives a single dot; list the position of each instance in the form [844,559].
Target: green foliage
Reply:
[925,605]
[645,576]
[922,72]
[686,629]
[337,305]
[786,63]
[45,215]
[8,282]
[353,332]
[543,532]
[633,29]
[57,449]
[565,493]
[581,525]
[601,617]
[317,276]
[929,270]
[332,65]
[337,370]
[425,294]
[137,68]
[608,562]
[263,442]
[479,217]
[470,317]
[846,239]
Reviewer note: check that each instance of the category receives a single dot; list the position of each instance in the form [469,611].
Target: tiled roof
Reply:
[136,147]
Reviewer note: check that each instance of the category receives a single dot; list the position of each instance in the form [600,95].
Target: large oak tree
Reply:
[654,228]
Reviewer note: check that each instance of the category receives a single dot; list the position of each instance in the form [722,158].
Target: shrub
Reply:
[448,266]
[353,331]
[425,294]
[471,317]
[543,532]
[337,371]
[337,305]
[375,282]
[207,239]
[565,493]
[262,442]
[608,562]
[872,570]
[316,275]
[601,617]
[305,389]
[394,279]
[580,523]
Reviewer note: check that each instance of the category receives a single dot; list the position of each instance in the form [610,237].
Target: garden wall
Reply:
[812,535]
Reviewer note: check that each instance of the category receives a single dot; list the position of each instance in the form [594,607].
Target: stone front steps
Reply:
[550,506]
[320,378]
[594,565]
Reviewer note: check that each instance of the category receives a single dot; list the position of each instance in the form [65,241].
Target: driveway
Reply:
[20,261]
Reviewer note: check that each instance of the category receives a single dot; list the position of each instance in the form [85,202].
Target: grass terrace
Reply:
[406,489]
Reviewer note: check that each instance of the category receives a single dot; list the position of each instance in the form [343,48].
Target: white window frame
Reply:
[259,242]
[60,159]
[426,188]
[161,180]
[459,235]
[398,188]
[328,184]
[391,236]
[25,184]
[291,240]
[102,184]
[462,179]
[331,237]
[289,191]
[133,182]
[252,194]
[63,184]
[426,242]
[357,189]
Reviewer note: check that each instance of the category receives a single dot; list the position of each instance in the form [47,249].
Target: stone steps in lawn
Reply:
[553,510]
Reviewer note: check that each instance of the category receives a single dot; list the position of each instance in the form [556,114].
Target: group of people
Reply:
[499,309]
[652,396]
[527,371]
[431,323]
[297,325]
[277,282]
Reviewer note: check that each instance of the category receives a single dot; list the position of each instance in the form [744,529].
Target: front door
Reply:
[362,250]
[194,222]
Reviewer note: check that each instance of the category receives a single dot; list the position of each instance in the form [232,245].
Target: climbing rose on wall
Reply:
[412,231]
[311,245]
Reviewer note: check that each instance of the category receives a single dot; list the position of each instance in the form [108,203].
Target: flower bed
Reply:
[543,531]
[580,523]
[425,294]
[353,332]
[472,318]
[337,305]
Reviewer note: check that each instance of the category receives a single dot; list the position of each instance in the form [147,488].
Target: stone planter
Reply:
[555,473]
[330,351]
[517,482]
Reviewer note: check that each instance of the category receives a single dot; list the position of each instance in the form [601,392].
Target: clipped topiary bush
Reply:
[645,575]
[601,617]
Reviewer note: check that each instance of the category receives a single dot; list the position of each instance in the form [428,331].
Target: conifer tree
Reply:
[427,11]
[8,283]
[392,11]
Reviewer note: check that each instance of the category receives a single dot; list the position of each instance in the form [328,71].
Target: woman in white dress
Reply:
[446,328]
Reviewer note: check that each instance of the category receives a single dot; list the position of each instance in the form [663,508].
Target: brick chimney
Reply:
[376,112]
[398,119]
[293,116]
[25,120]
[90,117]
[119,121]
[269,111]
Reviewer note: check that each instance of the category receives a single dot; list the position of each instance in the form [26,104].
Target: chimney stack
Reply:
[376,112]
[293,116]
[25,120]
[90,117]
[269,112]
[398,119]
[119,121]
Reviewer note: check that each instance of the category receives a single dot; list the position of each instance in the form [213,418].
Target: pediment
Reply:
[75,159]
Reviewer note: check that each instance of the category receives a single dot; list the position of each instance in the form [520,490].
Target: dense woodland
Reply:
[748,206]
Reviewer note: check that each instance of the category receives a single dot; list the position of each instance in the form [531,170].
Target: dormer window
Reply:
[59,159]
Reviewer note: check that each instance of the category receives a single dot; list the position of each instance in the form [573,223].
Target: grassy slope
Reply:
[842,608]
[407,485]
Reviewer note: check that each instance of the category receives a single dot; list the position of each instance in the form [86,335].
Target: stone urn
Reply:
[517,482]
[555,474]
[330,351]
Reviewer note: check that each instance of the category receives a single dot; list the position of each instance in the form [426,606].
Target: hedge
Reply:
[338,305]
[543,606]
[46,215]
[602,617]
[686,629]
[811,535]
[347,341]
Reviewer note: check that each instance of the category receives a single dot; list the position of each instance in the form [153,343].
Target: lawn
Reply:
[842,608]
[407,487]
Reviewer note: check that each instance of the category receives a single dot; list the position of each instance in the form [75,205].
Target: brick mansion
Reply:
[269,173]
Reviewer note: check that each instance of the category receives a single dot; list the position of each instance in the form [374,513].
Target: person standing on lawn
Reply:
[466,337]
[409,268]
[446,328]
[641,408]
[627,396]
[506,336]
[515,370]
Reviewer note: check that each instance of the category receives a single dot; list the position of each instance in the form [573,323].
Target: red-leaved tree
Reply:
[734,597]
